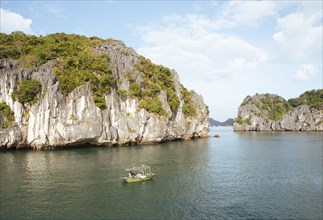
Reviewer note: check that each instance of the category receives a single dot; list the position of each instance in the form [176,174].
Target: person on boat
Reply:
[141,175]
[132,174]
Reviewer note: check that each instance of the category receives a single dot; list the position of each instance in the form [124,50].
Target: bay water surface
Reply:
[237,176]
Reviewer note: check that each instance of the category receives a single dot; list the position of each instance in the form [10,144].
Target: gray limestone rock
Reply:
[63,120]
[254,116]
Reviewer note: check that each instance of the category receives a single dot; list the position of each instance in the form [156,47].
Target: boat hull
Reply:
[134,180]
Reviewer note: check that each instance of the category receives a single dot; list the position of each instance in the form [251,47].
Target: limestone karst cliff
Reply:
[62,90]
[267,112]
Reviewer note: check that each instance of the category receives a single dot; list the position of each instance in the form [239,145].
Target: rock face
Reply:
[58,119]
[267,112]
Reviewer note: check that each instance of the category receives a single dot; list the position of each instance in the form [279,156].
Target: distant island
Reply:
[215,123]
[62,90]
[268,112]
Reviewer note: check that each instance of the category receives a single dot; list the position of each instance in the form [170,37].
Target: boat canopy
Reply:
[144,170]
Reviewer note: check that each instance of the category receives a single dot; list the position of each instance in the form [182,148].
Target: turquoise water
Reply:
[239,175]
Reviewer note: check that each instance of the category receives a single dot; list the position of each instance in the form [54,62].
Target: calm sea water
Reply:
[237,176]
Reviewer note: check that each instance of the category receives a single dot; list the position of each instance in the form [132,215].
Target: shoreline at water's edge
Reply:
[89,144]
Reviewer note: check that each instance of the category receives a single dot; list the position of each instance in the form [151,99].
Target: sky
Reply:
[223,50]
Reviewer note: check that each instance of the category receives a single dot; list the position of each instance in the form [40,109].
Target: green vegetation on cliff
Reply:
[242,121]
[152,105]
[27,91]
[7,114]
[33,51]
[155,79]
[313,98]
[275,106]
[74,63]
[188,107]
[73,59]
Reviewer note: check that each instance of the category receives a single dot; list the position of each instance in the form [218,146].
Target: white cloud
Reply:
[233,14]
[306,71]
[299,35]
[279,37]
[191,46]
[246,12]
[11,21]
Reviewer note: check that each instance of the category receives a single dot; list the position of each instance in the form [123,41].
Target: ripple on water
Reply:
[239,176]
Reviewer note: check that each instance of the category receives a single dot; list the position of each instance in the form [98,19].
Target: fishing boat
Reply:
[138,174]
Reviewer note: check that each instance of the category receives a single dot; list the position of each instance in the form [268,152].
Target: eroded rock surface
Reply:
[63,120]
[255,115]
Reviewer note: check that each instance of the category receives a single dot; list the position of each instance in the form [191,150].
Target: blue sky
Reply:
[224,50]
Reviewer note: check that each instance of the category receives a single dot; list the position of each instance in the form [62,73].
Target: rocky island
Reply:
[268,112]
[215,123]
[62,90]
